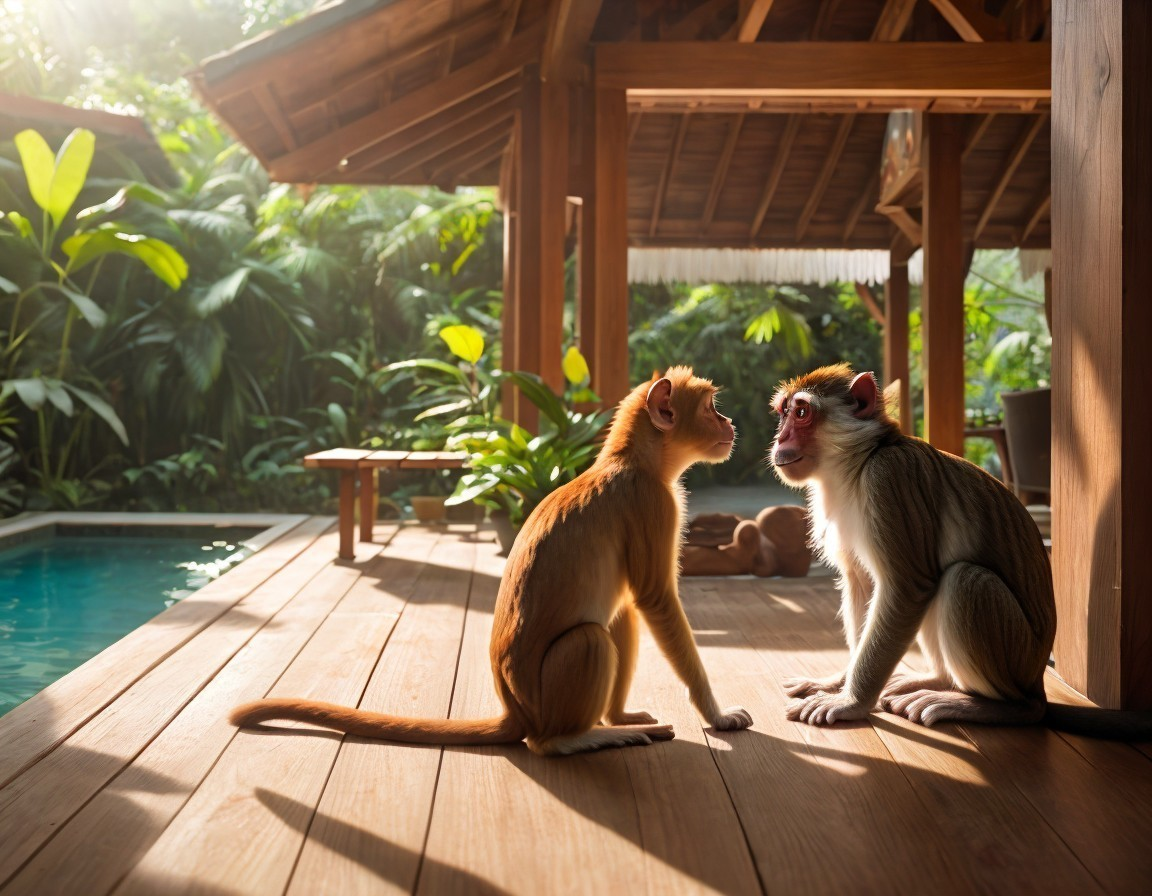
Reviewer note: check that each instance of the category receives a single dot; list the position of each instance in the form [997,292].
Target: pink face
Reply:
[794,451]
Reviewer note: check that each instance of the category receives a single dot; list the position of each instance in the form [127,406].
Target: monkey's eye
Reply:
[801,412]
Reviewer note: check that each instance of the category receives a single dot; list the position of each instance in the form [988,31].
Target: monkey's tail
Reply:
[446,732]
[1092,721]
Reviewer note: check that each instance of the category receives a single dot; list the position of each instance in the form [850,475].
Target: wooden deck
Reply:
[125,777]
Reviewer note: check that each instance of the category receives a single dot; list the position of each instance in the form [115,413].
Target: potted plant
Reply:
[510,469]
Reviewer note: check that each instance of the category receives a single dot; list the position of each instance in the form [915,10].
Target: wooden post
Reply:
[606,230]
[896,335]
[510,183]
[541,200]
[1101,362]
[944,272]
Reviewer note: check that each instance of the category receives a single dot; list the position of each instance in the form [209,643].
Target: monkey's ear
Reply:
[865,393]
[660,404]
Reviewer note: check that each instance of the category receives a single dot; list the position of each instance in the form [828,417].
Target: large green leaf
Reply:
[165,262]
[33,392]
[223,292]
[8,286]
[89,310]
[101,409]
[39,165]
[72,164]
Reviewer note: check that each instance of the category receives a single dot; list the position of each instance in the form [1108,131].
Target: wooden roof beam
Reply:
[689,27]
[413,152]
[783,151]
[508,23]
[752,16]
[480,109]
[433,169]
[893,21]
[1023,144]
[570,24]
[976,134]
[851,69]
[826,171]
[865,294]
[325,154]
[902,218]
[666,173]
[868,194]
[461,166]
[1042,208]
[968,19]
[721,173]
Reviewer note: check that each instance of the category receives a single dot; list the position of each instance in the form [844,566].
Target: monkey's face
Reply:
[719,433]
[794,453]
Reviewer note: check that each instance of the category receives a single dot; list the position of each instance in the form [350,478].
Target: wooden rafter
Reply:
[666,173]
[976,134]
[689,27]
[816,195]
[462,165]
[823,19]
[570,24]
[752,16]
[868,194]
[968,19]
[783,151]
[893,21]
[633,125]
[1038,212]
[852,69]
[508,22]
[275,114]
[325,154]
[721,173]
[909,227]
[448,154]
[478,110]
[1015,157]
[864,291]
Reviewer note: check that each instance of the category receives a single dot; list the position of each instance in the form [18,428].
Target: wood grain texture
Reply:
[840,68]
[943,295]
[1101,209]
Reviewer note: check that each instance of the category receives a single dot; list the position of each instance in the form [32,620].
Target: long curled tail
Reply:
[446,732]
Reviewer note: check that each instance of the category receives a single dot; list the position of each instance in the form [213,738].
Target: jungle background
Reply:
[127,385]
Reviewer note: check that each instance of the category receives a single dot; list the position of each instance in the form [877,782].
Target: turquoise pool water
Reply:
[68,592]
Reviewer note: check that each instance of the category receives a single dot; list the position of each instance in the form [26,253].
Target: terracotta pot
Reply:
[428,509]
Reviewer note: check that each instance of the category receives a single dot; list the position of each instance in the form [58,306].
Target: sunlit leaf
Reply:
[22,224]
[8,286]
[72,164]
[223,292]
[32,392]
[165,262]
[575,366]
[464,342]
[39,164]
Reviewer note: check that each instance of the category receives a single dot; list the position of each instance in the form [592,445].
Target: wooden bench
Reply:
[358,471]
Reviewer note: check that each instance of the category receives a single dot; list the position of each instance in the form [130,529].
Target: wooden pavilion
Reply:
[762,124]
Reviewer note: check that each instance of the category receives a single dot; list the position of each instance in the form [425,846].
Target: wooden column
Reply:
[896,334]
[606,231]
[509,185]
[541,198]
[1101,360]
[943,297]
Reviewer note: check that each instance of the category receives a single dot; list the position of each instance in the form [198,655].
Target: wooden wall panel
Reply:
[1101,363]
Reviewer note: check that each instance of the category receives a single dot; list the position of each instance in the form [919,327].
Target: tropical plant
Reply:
[53,266]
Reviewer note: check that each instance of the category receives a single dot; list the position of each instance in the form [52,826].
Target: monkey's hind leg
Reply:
[577,679]
[990,652]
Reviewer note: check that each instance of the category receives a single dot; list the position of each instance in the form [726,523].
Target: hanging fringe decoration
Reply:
[818,266]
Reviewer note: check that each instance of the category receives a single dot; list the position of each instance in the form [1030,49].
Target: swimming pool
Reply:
[67,591]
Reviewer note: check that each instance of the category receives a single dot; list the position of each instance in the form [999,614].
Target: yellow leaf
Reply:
[574,365]
[464,342]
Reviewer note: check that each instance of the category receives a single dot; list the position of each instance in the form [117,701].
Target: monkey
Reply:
[928,547]
[594,556]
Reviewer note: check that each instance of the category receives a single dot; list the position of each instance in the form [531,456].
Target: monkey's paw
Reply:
[827,709]
[631,718]
[806,687]
[734,718]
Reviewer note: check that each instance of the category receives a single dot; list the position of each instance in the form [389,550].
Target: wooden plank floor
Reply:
[125,777]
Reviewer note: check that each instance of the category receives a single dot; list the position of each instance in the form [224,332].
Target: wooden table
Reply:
[358,471]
